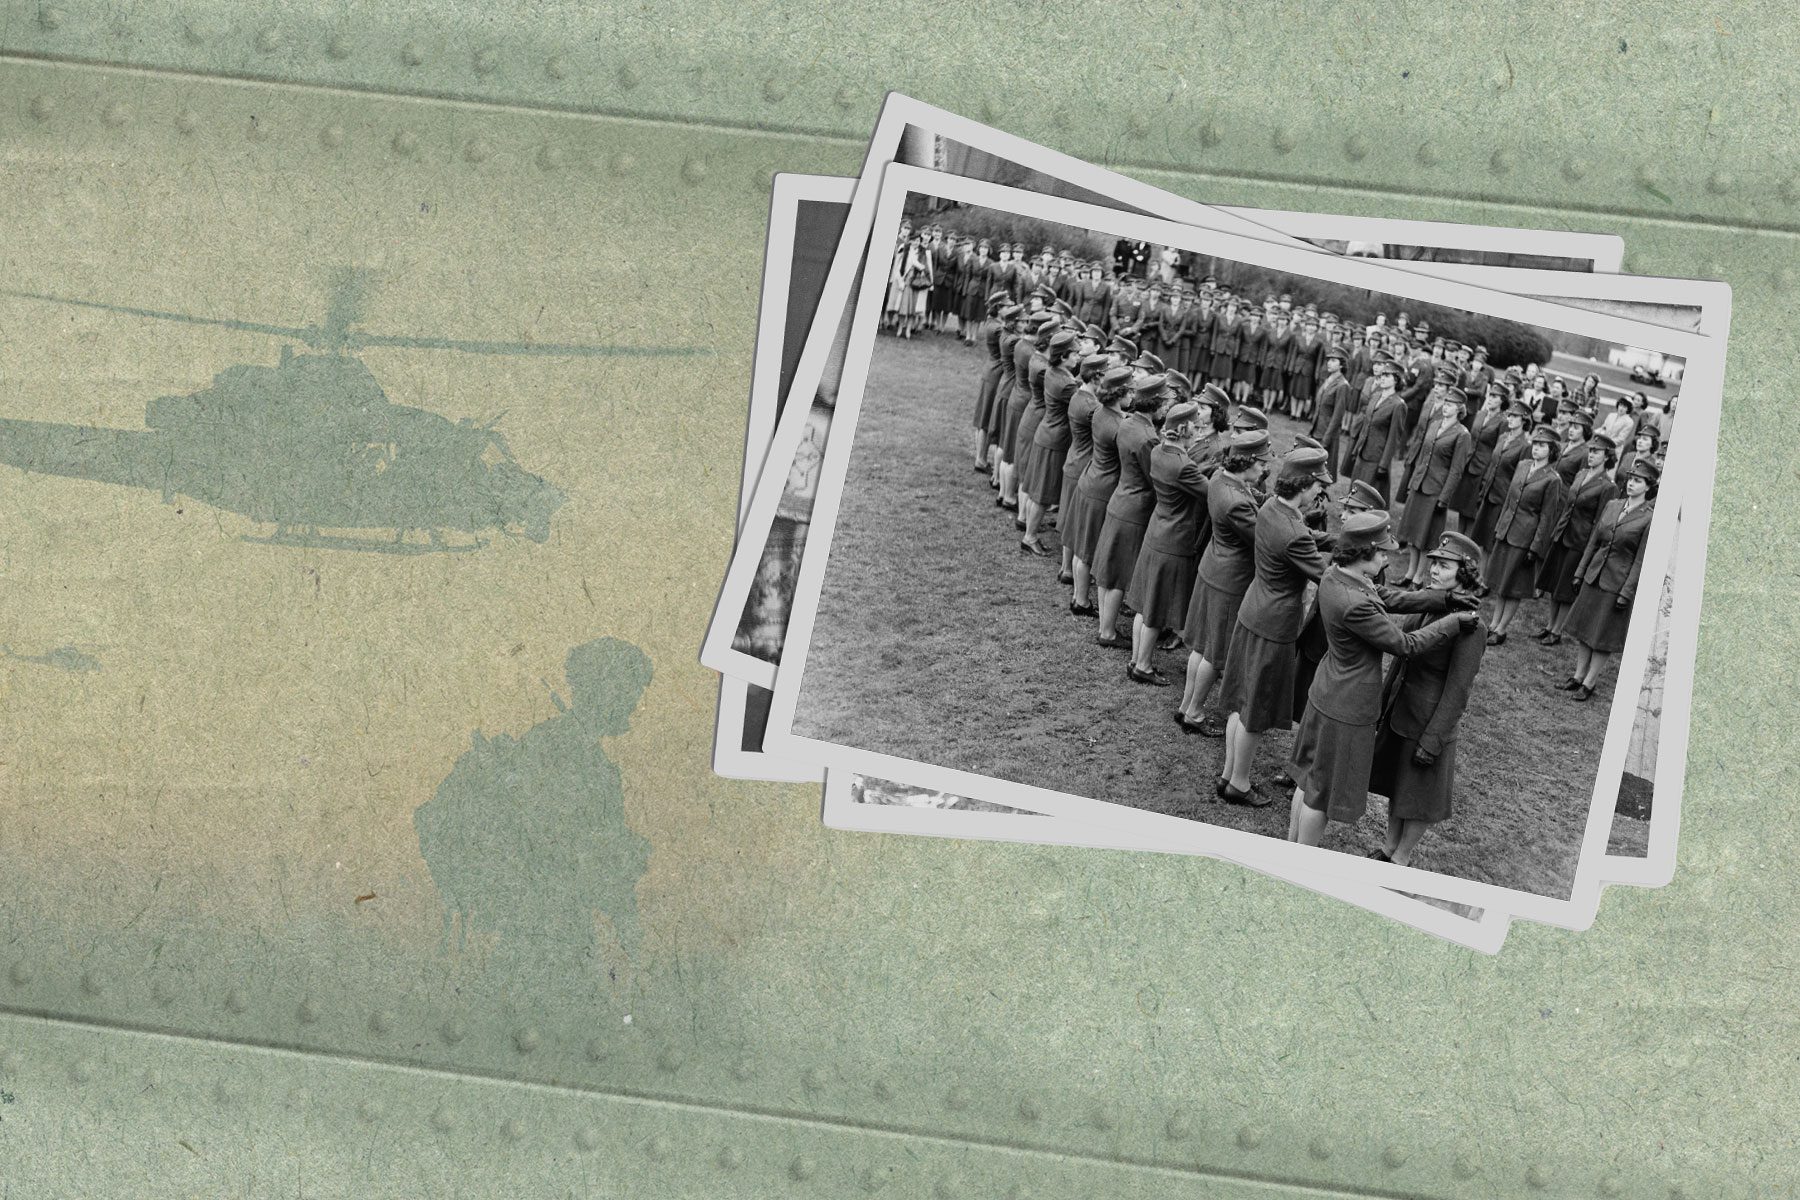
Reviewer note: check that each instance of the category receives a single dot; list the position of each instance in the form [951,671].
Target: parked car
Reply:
[1646,375]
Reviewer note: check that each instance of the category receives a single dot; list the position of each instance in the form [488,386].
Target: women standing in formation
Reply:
[1095,488]
[1050,442]
[993,331]
[1643,446]
[1608,573]
[1592,488]
[1485,429]
[1496,480]
[1434,464]
[1424,699]
[1257,687]
[1376,441]
[1163,579]
[1523,530]
[1334,748]
[975,276]
[1081,449]
[1128,512]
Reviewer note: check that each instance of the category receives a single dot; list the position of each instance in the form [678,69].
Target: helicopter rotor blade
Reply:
[301,335]
[358,341]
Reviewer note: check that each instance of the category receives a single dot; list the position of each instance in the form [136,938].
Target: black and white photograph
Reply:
[1356,570]
[750,626]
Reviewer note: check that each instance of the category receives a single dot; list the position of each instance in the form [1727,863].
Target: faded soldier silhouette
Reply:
[526,837]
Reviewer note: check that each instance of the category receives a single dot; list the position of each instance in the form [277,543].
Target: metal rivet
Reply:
[51,18]
[1283,140]
[1393,1158]
[550,157]
[1500,162]
[454,1030]
[873,1179]
[1030,1110]
[1319,1149]
[1575,169]
[93,982]
[1464,1168]
[774,91]
[1537,1177]
[812,1079]
[235,1002]
[1720,182]
[525,1040]
[486,59]
[443,1120]
[587,1138]
[1179,1127]
[381,1021]
[623,164]
[693,170]
[339,47]
[883,1090]
[1210,135]
[41,108]
[369,1111]
[555,67]
[948,1188]
[331,137]
[512,1129]
[802,1169]
[657,1147]
[1104,1117]
[478,150]
[1356,147]
[405,142]
[307,1011]
[83,1070]
[628,77]
[268,40]
[21,974]
[1250,1137]
[1428,155]
[116,114]
[845,98]
[411,54]
[730,1158]
[956,1099]
[187,120]
[669,1060]
[1610,1185]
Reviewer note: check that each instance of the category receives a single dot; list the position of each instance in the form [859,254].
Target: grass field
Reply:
[938,641]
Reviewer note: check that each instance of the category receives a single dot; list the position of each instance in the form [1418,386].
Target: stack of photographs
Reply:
[1342,548]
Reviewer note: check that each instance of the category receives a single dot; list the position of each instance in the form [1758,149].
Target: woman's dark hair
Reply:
[1345,556]
[1289,486]
[1220,422]
[1110,396]
[1468,577]
[1236,460]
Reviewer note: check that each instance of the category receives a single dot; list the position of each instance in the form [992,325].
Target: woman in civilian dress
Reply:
[1050,443]
[1128,512]
[1163,579]
[1087,507]
[1524,530]
[1609,572]
[1258,682]
[1592,488]
[1334,747]
[1424,699]
[1227,566]
[1081,448]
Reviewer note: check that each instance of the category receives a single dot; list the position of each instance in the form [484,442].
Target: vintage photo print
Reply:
[750,623]
[905,584]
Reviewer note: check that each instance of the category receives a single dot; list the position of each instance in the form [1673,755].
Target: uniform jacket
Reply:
[1133,499]
[1287,559]
[1059,389]
[1378,439]
[1180,488]
[1278,349]
[1484,432]
[1357,370]
[1102,473]
[1125,310]
[1082,406]
[1358,631]
[1304,357]
[1570,461]
[1023,350]
[1532,507]
[1328,413]
[1614,557]
[1226,335]
[1229,563]
[1438,458]
[1426,694]
[1496,477]
[1585,500]
[1253,344]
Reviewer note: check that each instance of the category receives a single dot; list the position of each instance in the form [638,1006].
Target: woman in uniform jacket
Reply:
[1258,682]
[992,330]
[1609,571]
[1592,488]
[1196,339]
[1485,429]
[1509,449]
[1246,368]
[1227,566]
[1424,699]
[1310,648]
[1380,430]
[1011,332]
[1128,511]
[1334,747]
[1576,431]
[1163,579]
[1329,403]
[1087,512]
[1303,361]
[1524,530]
[1227,332]
[1278,351]
[977,281]
[1437,463]
[1042,485]
[1041,327]
[1081,449]
[1647,445]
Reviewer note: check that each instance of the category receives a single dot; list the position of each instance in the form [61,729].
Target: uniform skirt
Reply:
[1243,370]
[1414,793]
[1510,576]
[1025,442]
[1161,586]
[1421,521]
[1372,473]
[1271,377]
[1465,497]
[1065,500]
[1044,473]
[1487,515]
[1211,616]
[1595,622]
[1219,365]
[1259,681]
[1330,763]
[1009,436]
[1116,553]
[1083,521]
[1305,669]
[1556,577]
[984,399]
[1300,384]
[996,425]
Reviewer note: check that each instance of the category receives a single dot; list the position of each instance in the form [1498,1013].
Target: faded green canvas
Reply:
[372,394]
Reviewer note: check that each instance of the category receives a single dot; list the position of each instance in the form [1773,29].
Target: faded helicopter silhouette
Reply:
[64,658]
[313,443]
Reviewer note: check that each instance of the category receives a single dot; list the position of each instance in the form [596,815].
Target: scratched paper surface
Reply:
[349,698]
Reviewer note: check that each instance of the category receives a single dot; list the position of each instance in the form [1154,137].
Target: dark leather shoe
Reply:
[1064,578]
[1113,643]
[1152,677]
[1084,610]
[1212,726]
[1496,639]
[1378,856]
[1568,685]
[1249,799]
[1583,693]
[1187,726]
[1032,546]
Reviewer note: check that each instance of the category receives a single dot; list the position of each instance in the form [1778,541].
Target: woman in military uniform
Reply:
[1029,349]
[1247,368]
[1379,429]
[1524,530]
[1334,746]
[1439,456]
[1424,699]
[992,331]
[1485,428]
[1050,443]
[1163,579]
[1128,512]
[1496,478]
[1086,514]
[1592,488]
[1258,682]
[1646,445]
[1223,348]
[1278,352]
[1227,566]
[1081,448]
[1609,571]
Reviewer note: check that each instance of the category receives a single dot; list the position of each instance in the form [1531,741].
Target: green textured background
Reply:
[194,1004]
